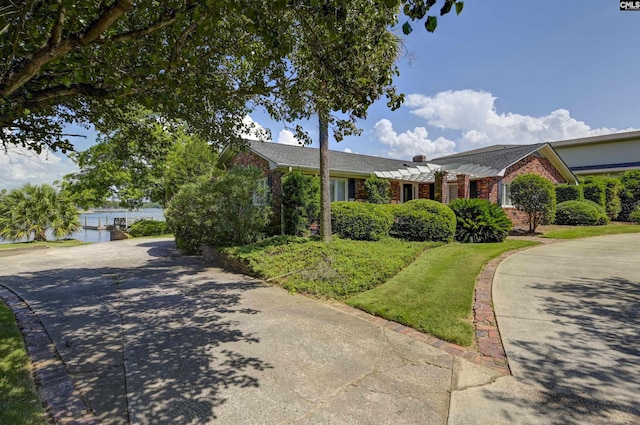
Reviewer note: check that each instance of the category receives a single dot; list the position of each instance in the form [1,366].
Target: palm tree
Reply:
[31,210]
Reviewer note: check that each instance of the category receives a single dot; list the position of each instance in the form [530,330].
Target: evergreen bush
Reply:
[424,220]
[377,190]
[148,228]
[629,194]
[565,192]
[360,221]
[300,202]
[480,221]
[218,211]
[581,213]
[595,191]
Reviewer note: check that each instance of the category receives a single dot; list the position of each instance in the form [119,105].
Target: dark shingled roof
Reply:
[497,157]
[307,157]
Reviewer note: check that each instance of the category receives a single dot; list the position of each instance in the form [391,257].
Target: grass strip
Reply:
[588,231]
[19,402]
[435,293]
[50,244]
[335,270]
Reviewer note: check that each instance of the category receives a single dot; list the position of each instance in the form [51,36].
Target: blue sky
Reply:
[502,72]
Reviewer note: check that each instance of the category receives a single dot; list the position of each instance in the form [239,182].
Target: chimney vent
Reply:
[420,158]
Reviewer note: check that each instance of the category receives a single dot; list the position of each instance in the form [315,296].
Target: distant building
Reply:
[609,154]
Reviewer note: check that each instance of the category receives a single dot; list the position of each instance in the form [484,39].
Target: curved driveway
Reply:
[569,317]
[151,337]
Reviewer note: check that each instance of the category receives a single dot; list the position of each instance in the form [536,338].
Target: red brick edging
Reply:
[62,402]
[489,351]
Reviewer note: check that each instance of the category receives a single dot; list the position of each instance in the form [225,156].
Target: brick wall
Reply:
[530,165]
[423,191]
[396,188]
[533,164]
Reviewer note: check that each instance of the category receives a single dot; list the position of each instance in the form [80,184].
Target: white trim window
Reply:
[261,195]
[505,194]
[339,189]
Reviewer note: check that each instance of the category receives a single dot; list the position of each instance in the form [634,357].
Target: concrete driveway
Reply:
[569,317]
[151,337]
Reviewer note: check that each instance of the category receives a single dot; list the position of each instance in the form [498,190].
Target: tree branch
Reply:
[56,31]
[50,52]
[167,20]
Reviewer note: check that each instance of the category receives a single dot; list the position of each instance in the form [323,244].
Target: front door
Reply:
[407,192]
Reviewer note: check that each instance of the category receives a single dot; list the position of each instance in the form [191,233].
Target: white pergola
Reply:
[426,173]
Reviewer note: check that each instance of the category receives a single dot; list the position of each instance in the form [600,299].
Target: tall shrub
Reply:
[595,192]
[479,221]
[360,221]
[377,190]
[630,193]
[611,187]
[566,192]
[536,197]
[218,210]
[424,220]
[300,202]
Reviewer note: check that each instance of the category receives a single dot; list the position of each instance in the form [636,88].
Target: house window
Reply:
[339,189]
[261,195]
[453,192]
[473,189]
[432,191]
[505,194]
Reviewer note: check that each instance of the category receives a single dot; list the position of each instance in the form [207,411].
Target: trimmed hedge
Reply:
[595,192]
[480,221]
[424,220]
[565,192]
[635,215]
[148,228]
[360,221]
[581,213]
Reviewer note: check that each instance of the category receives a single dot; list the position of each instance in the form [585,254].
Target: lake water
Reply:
[104,217]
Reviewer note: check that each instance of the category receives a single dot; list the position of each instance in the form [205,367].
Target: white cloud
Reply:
[410,143]
[474,114]
[286,137]
[252,130]
[347,150]
[20,166]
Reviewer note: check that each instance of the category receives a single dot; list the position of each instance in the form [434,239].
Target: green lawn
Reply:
[572,232]
[51,244]
[435,293]
[336,270]
[19,403]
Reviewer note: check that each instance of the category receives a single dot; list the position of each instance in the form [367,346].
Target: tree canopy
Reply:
[205,62]
[147,157]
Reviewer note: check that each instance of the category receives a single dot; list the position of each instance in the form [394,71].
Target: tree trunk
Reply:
[325,188]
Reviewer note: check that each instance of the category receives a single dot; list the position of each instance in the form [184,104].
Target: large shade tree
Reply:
[146,157]
[29,212]
[199,60]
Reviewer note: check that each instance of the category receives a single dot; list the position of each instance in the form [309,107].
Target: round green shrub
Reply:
[565,192]
[360,221]
[581,213]
[148,228]
[635,215]
[424,220]
[480,221]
